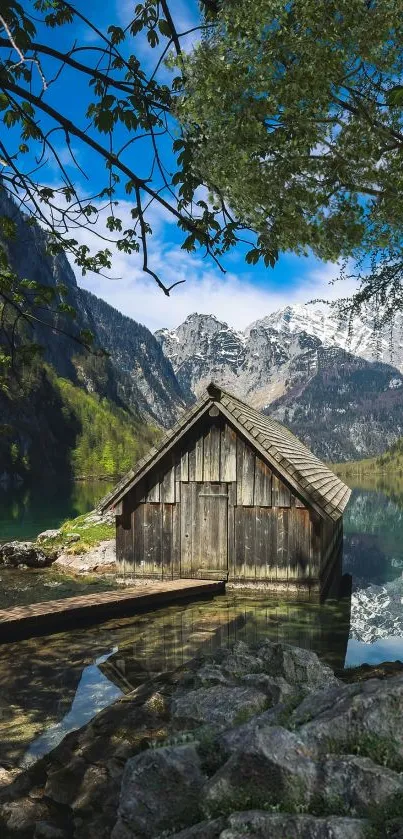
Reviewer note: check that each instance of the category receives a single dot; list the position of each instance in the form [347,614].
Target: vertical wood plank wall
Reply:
[271,535]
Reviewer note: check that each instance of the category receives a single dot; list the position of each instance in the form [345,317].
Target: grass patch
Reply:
[90,533]
[380,750]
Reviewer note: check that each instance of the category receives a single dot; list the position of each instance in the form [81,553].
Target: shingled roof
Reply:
[294,461]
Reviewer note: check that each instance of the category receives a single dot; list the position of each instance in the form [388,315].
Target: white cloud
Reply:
[237,300]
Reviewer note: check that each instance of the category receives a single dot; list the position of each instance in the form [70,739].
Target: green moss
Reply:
[91,534]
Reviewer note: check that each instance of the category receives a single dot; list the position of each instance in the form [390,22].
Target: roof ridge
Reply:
[274,440]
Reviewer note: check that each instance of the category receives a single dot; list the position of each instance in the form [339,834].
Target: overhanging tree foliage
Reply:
[122,122]
[295,110]
[283,129]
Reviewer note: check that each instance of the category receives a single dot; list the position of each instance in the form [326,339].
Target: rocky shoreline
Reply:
[77,547]
[255,741]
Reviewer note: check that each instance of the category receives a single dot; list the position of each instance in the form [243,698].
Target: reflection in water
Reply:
[49,685]
[25,512]
[373,555]
[94,692]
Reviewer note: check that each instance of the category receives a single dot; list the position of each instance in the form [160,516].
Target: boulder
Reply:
[272,766]
[22,815]
[211,674]
[276,688]
[357,784]
[233,739]
[48,534]
[261,825]
[71,537]
[366,711]
[218,705]
[160,791]
[45,830]
[204,830]
[15,554]
[296,665]
[99,518]
[100,558]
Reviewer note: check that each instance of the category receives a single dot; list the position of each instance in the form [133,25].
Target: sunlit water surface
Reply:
[54,684]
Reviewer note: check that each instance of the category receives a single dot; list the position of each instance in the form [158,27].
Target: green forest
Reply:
[109,441]
[61,431]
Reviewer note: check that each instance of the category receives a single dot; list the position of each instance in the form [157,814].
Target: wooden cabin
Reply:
[232,494]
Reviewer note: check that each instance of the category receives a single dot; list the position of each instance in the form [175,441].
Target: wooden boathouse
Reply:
[230,494]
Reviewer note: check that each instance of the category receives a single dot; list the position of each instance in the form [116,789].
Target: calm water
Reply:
[25,512]
[51,685]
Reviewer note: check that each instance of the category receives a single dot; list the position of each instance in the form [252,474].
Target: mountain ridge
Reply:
[144,379]
[291,364]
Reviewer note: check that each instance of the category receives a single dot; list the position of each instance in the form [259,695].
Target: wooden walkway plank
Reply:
[23,621]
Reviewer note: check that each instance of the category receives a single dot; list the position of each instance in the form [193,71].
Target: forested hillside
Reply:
[52,428]
[389,461]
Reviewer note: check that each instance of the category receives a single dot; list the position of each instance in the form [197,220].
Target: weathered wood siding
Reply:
[214,508]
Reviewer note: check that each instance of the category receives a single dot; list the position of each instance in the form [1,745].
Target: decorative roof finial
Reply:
[214,391]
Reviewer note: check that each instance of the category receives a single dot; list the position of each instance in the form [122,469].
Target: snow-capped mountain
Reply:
[332,383]
[254,364]
[358,336]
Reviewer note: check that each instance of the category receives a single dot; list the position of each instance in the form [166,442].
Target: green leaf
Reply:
[253,256]
[164,28]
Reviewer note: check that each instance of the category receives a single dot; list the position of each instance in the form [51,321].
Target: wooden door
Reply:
[204,530]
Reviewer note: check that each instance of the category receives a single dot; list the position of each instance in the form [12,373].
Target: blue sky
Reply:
[241,295]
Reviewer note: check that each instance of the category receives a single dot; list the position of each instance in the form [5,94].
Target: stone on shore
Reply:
[48,534]
[15,554]
[296,665]
[361,712]
[219,705]
[272,765]
[261,825]
[160,788]
[100,558]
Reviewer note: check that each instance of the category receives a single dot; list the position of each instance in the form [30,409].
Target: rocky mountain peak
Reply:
[315,372]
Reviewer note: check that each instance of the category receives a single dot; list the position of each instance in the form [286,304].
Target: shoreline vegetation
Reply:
[390,462]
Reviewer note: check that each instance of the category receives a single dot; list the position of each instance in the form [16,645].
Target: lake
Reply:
[27,511]
[53,684]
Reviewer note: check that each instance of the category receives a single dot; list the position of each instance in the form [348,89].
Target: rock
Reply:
[272,766]
[17,554]
[23,814]
[48,534]
[371,709]
[219,705]
[261,825]
[319,701]
[7,776]
[238,664]
[204,830]
[71,537]
[234,738]
[100,558]
[211,674]
[160,790]
[276,689]
[99,518]
[296,665]
[45,830]
[358,783]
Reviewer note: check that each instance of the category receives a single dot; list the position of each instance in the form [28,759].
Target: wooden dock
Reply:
[51,615]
